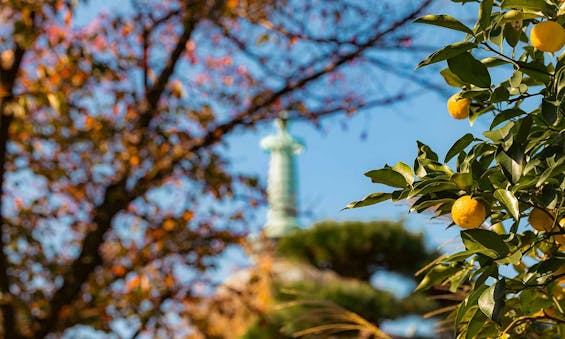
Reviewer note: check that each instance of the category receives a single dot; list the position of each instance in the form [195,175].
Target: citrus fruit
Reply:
[468,212]
[458,107]
[548,36]
[540,219]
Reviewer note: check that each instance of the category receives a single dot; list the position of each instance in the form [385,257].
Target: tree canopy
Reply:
[377,245]
[117,190]
[506,187]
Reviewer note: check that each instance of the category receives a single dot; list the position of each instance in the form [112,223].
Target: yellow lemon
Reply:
[458,107]
[540,219]
[548,36]
[468,212]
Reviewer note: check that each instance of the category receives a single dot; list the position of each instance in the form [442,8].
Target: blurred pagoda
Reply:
[281,189]
[330,263]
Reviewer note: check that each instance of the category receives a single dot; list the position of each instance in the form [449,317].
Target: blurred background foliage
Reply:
[321,276]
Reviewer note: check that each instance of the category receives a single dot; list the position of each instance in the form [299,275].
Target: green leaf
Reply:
[516,79]
[477,112]
[405,170]
[499,94]
[496,35]
[484,273]
[541,272]
[534,5]
[459,146]
[521,130]
[550,111]
[462,180]
[459,256]
[371,199]
[475,325]
[425,152]
[493,62]
[451,79]
[469,303]
[433,187]
[533,300]
[434,166]
[511,162]
[400,194]
[509,201]
[469,69]
[559,81]
[444,20]
[460,277]
[491,302]
[485,11]
[447,52]
[513,259]
[535,70]
[557,168]
[387,176]
[485,242]
[424,205]
[506,115]
[499,134]
[511,35]
[436,275]
[518,15]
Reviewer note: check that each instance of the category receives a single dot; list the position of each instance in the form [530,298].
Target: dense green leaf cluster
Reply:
[379,245]
[517,165]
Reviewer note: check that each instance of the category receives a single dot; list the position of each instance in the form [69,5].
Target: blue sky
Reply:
[330,170]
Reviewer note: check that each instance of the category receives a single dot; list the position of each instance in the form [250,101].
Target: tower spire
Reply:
[281,190]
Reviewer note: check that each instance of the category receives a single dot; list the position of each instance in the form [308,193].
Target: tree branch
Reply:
[251,116]
[116,199]
[7,82]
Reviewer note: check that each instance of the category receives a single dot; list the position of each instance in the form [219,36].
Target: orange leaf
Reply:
[118,270]
[134,160]
[169,225]
[188,215]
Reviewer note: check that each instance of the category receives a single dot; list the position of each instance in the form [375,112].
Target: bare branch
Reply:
[116,199]
[255,112]
[7,82]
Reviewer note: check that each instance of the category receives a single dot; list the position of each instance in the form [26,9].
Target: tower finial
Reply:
[282,121]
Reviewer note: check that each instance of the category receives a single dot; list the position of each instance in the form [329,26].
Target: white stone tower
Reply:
[281,189]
